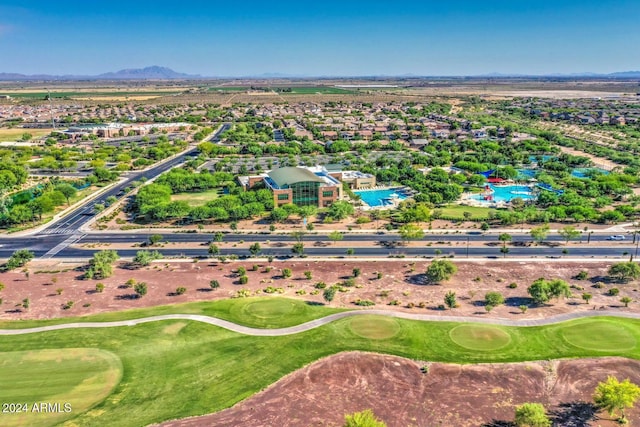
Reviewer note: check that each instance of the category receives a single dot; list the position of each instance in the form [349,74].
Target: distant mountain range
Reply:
[156,72]
[148,73]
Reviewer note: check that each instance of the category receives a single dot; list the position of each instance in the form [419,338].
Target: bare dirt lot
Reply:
[447,395]
[50,285]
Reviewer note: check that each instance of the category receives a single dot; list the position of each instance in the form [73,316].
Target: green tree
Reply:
[144,258]
[539,291]
[214,249]
[559,289]
[505,238]
[625,301]
[587,297]
[493,298]
[329,294]
[218,236]
[67,190]
[335,236]
[339,210]
[410,232]
[364,418]
[286,273]
[440,270]
[278,215]
[154,239]
[543,290]
[255,249]
[569,233]
[540,233]
[450,300]
[19,258]
[624,271]
[140,289]
[298,248]
[532,415]
[613,395]
[101,265]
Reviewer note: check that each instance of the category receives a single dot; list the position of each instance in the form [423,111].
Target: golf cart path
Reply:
[322,321]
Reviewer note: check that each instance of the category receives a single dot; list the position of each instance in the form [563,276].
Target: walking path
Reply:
[323,321]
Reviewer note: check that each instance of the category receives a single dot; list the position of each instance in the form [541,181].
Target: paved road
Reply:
[42,247]
[323,321]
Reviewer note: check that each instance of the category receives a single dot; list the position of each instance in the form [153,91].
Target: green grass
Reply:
[479,337]
[374,327]
[80,377]
[197,199]
[173,369]
[457,212]
[603,336]
[15,134]
[260,312]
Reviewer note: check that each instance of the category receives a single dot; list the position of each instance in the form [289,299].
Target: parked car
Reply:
[616,237]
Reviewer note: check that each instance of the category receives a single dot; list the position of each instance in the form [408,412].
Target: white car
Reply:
[616,237]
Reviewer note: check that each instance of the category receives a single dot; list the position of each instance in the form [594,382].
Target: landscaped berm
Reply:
[170,369]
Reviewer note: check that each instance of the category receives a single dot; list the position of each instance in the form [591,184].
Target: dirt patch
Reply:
[447,395]
[50,286]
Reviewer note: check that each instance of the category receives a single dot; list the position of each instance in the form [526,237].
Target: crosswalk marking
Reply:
[61,246]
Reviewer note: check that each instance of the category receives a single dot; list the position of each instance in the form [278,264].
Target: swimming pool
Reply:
[376,198]
[506,193]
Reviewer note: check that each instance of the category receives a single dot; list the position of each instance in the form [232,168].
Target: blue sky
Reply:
[236,38]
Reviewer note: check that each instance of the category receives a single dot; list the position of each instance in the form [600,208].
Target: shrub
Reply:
[214,284]
[583,275]
[140,289]
[356,272]
[67,305]
[395,302]
[493,298]
[181,290]
[513,285]
[410,305]
[301,292]
[241,271]
[308,275]
[59,291]
[286,273]
[130,283]
[243,293]
[99,287]
[364,302]
[384,293]
[254,267]
[320,285]
[1,286]
[378,275]
[440,270]
[243,280]
[613,292]
[349,282]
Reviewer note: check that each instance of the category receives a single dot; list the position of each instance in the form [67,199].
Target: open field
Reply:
[197,199]
[457,212]
[176,368]
[77,377]
[15,134]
